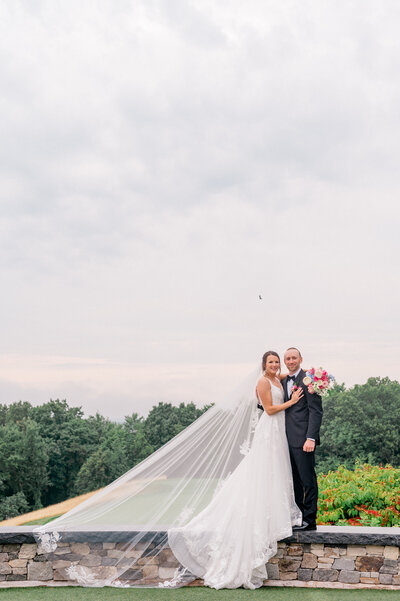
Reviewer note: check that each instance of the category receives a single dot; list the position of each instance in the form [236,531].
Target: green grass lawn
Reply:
[42,521]
[192,594]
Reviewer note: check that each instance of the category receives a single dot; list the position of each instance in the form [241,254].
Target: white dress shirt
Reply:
[290,384]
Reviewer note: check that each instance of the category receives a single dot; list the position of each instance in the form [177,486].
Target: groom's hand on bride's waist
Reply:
[309,446]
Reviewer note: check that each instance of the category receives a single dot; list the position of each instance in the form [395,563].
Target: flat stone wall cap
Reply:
[348,535]
[17,535]
[328,535]
[97,534]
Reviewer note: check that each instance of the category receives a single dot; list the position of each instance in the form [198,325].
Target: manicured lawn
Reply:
[192,594]
[42,521]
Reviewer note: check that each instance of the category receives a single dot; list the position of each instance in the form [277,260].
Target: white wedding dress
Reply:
[229,542]
[222,490]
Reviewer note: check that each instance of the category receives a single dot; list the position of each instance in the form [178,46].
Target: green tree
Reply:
[17,412]
[23,461]
[50,452]
[361,423]
[136,444]
[166,421]
[105,465]
[13,505]
[3,414]
[70,440]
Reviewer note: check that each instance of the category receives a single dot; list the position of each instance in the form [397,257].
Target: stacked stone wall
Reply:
[349,564]
[20,562]
[322,558]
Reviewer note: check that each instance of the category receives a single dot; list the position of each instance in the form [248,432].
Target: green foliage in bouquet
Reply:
[367,496]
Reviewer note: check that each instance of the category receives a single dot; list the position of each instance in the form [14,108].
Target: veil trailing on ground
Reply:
[164,491]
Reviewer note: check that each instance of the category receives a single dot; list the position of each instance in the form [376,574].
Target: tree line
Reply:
[51,452]
[361,423]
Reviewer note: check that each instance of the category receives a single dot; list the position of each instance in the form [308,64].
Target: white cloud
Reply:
[165,162]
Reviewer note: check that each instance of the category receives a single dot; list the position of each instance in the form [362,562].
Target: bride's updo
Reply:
[265,357]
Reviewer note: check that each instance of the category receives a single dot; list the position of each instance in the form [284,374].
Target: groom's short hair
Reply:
[293,348]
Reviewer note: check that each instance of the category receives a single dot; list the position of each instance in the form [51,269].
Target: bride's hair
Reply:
[265,357]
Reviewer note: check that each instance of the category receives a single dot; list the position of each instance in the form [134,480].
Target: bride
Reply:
[229,542]
[219,496]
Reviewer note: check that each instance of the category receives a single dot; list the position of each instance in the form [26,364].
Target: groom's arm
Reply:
[314,402]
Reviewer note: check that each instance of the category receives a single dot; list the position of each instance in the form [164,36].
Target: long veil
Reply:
[166,490]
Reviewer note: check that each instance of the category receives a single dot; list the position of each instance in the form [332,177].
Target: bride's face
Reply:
[272,365]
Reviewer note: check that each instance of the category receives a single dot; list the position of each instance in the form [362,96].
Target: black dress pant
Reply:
[305,483]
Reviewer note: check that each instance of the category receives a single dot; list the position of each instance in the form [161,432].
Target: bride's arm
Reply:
[283,376]
[265,396]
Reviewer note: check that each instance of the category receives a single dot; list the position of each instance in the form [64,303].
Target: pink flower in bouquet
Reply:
[318,381]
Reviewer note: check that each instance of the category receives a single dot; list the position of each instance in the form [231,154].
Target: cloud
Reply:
[165,162]
[114,389]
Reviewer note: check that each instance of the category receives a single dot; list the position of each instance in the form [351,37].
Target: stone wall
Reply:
[350,564]
[29,562]
[350,557]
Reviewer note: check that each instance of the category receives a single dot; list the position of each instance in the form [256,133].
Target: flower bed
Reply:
[367,496]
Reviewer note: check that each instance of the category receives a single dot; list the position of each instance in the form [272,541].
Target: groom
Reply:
[303,421]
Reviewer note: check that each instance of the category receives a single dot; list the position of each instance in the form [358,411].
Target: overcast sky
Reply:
[164,162]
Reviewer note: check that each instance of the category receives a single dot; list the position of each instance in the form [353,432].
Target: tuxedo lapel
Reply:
[298,381]
[284,386]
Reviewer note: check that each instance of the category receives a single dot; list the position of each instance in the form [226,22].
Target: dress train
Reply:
[230,541]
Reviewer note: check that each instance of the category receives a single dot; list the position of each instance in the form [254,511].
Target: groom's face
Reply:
[292,360]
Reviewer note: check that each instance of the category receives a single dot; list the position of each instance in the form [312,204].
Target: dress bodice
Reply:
[277,394]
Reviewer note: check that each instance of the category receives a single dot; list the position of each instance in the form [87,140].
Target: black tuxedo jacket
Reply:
[303,420]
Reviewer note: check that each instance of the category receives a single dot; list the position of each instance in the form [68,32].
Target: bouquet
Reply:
[318,381]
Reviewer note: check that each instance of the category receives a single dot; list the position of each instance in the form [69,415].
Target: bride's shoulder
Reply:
[263,383]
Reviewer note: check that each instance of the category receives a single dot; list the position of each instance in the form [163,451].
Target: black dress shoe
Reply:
[304,526]
[301,527]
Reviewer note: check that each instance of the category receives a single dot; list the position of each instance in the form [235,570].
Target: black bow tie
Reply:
[291,378]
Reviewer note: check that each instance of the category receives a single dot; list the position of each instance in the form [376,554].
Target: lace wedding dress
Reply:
[219,494]
[229,542]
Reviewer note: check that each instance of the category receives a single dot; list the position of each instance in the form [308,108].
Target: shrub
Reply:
[366,496]
[13,505]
